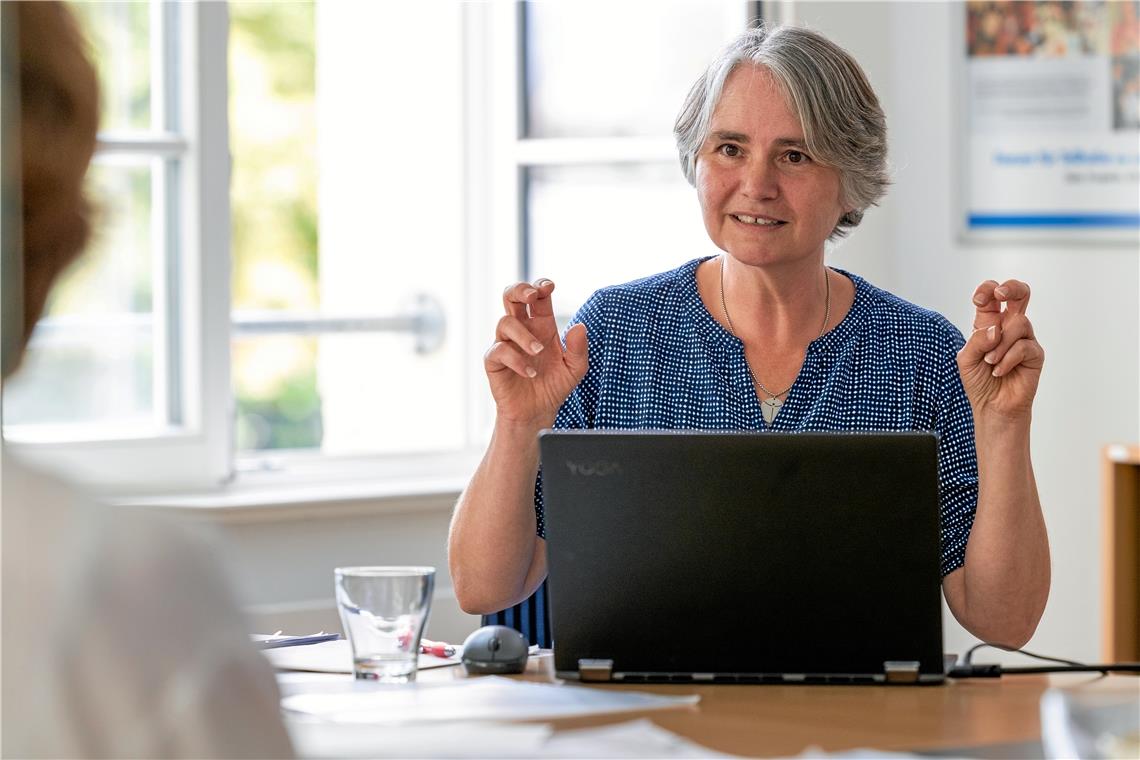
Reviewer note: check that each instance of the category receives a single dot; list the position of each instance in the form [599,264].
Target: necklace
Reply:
[771,407]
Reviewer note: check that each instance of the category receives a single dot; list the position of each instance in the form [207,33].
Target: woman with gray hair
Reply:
[785,142]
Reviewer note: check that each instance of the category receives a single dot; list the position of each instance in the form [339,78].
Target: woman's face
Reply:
[763,197]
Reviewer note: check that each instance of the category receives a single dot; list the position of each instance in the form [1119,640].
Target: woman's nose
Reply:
[760,181]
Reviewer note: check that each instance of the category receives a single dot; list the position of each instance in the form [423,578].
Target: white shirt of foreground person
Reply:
[120,638]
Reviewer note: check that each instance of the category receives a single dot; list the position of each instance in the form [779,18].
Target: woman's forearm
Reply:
[1007,573]
[496,559]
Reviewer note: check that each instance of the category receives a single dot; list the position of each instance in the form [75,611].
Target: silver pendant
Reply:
[770,409]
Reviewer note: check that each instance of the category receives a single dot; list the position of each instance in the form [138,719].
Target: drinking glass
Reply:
[383,611]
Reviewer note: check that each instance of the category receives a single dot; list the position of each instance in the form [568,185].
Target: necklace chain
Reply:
[732,328]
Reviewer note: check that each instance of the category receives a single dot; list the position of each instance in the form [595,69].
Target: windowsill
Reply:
[273,503]
[299,485]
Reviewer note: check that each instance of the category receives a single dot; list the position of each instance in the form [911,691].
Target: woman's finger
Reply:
[1024,353]
[577,354]
[504,356]
[516,297]
[511,329]
[981,341]
[1014,327]
[1015,294]
[987,306]
[541,305]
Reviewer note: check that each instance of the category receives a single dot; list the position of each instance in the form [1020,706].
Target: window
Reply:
[596,141]
[117,374]
[98,361]
[348,281]
[324,309]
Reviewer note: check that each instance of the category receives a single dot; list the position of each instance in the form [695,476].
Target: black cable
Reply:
[1111,667]
[965,659]
[965,668]
[997,671]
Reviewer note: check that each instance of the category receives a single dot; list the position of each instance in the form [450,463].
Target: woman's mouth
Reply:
[757,221]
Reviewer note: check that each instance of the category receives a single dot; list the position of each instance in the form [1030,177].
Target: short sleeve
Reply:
[957,456]
[579,410]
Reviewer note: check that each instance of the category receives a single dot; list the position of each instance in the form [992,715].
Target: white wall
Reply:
[282,558]
[1085,305]
[867,251]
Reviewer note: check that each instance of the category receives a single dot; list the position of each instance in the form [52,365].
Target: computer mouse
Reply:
[495,649]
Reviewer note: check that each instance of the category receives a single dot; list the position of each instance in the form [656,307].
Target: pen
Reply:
[437,648]
[277,640]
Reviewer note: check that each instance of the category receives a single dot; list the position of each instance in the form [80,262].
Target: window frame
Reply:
[490,224]
[194,451]
[199,454]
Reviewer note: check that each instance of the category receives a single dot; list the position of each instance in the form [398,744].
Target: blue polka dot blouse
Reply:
[658,359]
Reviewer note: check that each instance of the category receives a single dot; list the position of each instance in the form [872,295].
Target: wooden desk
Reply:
[763,720]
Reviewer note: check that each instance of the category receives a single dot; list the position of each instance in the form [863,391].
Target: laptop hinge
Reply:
[595,670]
[901,671]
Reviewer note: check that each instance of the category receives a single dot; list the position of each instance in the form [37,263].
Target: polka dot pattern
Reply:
[658,359]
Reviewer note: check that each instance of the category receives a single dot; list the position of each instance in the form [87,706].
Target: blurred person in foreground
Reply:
[120,638]
[786,144]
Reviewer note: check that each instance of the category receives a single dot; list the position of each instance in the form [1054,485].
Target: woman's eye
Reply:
[730,150]
[796,157]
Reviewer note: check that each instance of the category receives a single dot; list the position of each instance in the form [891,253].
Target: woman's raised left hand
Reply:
[1002,360]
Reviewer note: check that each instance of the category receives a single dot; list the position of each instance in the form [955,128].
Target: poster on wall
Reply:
[1051,135]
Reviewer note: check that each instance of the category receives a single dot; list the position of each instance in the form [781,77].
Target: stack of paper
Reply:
[636,738]
[486,698]
[333,740]
[337,718]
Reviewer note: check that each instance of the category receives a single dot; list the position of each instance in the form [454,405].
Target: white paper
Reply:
[636,738]
[337,740]
[485,698]
[858,754]
[1090,724]
[334,657]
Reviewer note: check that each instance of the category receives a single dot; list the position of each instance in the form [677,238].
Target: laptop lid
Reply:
[679,555]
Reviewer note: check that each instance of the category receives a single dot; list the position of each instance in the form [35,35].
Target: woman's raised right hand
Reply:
[530,372]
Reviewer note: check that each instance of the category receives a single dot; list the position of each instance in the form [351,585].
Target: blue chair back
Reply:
[530,617]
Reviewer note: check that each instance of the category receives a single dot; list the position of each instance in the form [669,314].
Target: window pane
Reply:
[274,218]
[120,36]
[84,375]
[275,380]
[390,222]
[92,359]
[619,69]
[392,226]
[115,274]
[625,221]
[381,396]
[344,394]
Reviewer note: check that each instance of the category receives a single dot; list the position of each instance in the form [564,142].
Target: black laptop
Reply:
[743,557]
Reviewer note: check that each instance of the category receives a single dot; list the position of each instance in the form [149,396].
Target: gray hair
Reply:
[843,124]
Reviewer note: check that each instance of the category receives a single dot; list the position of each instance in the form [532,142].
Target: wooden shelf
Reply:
[1121,552]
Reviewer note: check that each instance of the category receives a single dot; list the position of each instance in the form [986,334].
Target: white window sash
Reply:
[195,453]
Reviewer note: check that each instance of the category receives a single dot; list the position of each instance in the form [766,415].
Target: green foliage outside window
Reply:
[274,216]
